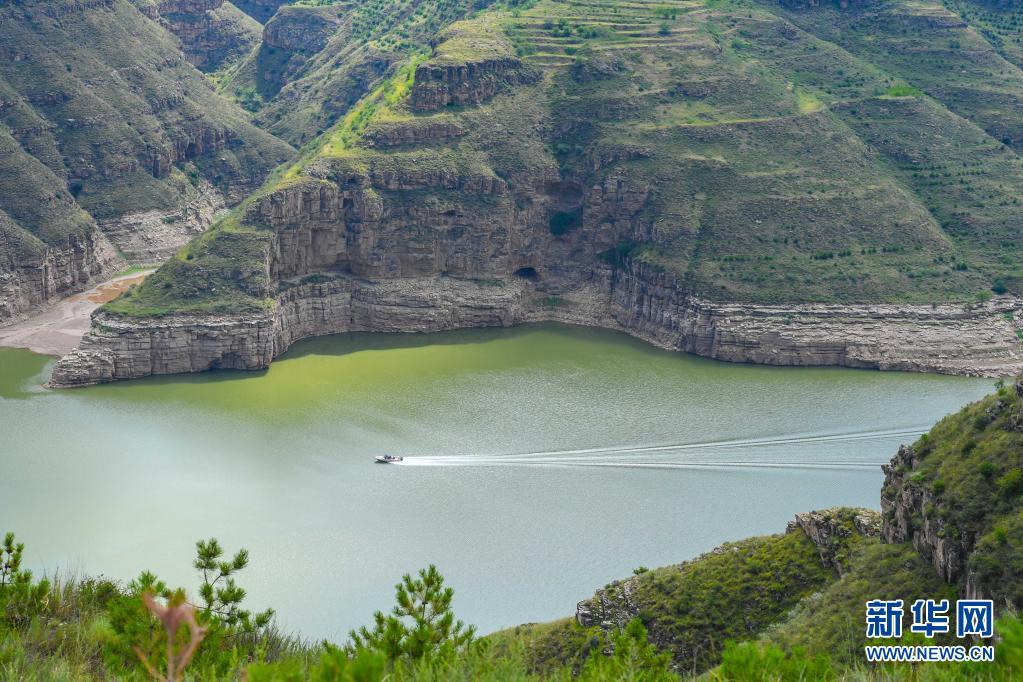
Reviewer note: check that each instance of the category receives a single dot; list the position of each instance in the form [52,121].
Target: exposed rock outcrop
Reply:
[831,529]
[53,273]
[469,84]
[341,259]
[132,349]
[154,236]
[841,4]
[904,506]
[973,340]
[303,29]
[393,134]
[260,10]
[492,227]
[212,32]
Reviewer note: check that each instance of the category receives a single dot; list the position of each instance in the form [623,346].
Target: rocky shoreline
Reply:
[977,340]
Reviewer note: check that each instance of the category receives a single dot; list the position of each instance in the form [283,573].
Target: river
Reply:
[541,462]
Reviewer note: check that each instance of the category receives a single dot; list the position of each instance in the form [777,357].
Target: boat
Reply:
[388,459]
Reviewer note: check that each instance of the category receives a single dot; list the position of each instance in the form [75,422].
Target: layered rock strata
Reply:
[947,339]
[153,236]
[53,273]
[303,29]
[469,84]
[212,32]
[464,218]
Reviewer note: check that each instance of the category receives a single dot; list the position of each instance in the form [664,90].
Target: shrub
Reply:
[749,662]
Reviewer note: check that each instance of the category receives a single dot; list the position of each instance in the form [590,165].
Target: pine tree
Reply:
[421,623]
[10,563]
[222,597]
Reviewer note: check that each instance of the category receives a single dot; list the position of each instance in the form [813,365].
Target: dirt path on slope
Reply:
[59,328]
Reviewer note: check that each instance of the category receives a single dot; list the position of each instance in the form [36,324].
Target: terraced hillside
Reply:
[730,178]
[103,123]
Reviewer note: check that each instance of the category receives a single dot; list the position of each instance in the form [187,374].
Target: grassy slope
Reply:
[92,96]
[832,621]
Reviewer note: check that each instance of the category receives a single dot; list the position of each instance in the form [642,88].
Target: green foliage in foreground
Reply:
[94,629]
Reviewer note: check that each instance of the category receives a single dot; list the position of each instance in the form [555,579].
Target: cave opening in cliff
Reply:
[527,273]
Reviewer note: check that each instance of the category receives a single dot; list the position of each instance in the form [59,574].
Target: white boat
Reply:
[388,459]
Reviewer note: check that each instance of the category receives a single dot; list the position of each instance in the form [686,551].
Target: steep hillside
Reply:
[103,123]
[260,10]
[802,588]
[713,177]
[213,33]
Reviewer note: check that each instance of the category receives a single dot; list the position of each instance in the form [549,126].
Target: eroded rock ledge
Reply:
[979,341]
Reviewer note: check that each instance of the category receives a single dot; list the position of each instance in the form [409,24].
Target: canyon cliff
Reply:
[213,33]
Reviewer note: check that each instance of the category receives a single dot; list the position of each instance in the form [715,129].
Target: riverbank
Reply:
[58,329]
[979,339]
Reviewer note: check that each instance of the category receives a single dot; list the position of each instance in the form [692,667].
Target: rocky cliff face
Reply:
[467,84]
[105,126]
[212,32]
[907,521]
[841,4]
[153,236]
[126,349]
[456,202]
[345,258]
[835,532]
[303,29]
[53,272]
[974,340]
[260,10]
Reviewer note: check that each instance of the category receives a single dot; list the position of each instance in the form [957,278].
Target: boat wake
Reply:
[822,451]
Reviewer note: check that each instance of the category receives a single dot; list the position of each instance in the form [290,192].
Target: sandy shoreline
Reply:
[59,328]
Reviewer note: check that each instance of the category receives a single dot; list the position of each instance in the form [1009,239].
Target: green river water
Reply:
[541,462]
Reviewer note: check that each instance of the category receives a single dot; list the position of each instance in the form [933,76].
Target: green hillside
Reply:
[762,153]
